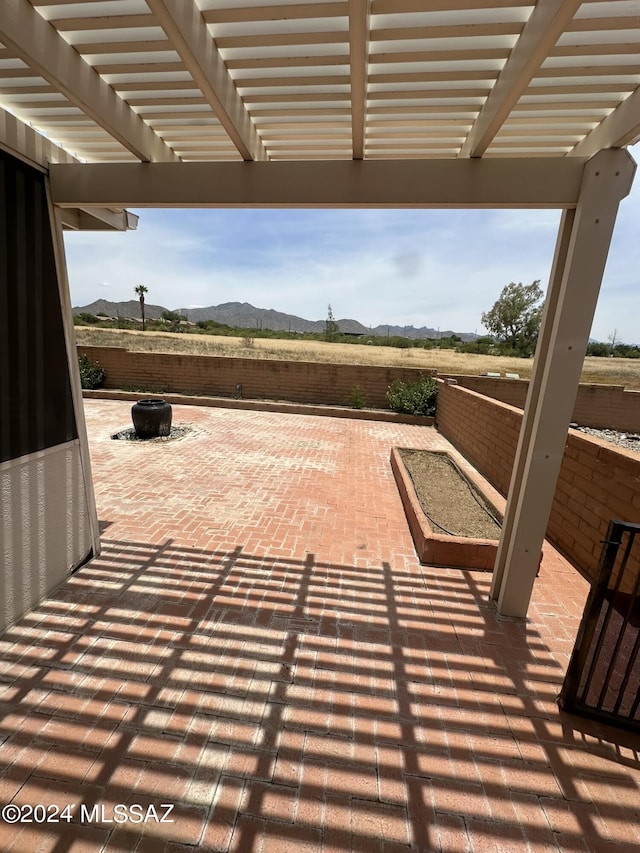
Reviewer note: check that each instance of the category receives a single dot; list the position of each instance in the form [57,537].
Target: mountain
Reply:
[247,316]
[422,332]
[127,310]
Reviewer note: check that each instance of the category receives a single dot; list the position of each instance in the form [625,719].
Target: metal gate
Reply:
[603,677]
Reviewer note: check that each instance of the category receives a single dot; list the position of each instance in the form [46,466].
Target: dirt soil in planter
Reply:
[449,501]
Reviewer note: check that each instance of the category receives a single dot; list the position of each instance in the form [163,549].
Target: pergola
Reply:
[343,103]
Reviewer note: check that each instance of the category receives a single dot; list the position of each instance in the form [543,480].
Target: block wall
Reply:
[295,381]
[607,407]
[597,483]
[599,406]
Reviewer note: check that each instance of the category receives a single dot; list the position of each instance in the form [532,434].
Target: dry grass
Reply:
[609,371]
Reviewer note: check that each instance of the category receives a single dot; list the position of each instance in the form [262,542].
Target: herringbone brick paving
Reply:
[259,646]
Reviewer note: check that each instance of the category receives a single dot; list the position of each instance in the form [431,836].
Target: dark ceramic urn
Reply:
[151,418]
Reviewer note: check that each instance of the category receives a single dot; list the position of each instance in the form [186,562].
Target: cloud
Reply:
[408,264]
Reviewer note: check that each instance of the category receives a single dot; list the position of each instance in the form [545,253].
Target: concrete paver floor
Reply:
[258,647]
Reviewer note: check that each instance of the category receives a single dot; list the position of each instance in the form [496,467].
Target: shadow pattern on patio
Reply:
[298,705]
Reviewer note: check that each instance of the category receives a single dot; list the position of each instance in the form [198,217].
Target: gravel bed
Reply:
[129,434]
[628,440]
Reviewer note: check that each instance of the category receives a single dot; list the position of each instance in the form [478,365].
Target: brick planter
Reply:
[438,549]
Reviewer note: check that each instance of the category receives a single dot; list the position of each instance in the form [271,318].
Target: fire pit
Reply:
[151,418]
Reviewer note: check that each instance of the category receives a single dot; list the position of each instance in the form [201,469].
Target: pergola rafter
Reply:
[358,49]
[619,128]
[44,51]
[187,32]
[548,20]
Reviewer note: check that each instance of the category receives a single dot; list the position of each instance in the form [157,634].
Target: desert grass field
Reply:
[609,371]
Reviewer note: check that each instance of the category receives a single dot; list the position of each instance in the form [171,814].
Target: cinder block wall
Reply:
[511,391]
[295,381]
[597,483]
[604,406]
[607,407]
[599,406]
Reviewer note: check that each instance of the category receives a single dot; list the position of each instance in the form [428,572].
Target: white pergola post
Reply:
[533,394]
[581,253]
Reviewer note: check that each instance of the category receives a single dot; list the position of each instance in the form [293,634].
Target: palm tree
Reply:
[141,290]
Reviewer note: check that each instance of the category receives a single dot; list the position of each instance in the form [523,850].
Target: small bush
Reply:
[247,343]
[91,374]
[357,400]
[413,398]
[174,320]
[84,318]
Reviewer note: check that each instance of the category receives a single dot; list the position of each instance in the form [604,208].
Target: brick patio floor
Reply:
[259,646]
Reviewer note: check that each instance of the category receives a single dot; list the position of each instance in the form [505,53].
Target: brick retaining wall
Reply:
[296,381]
[604,406]
[597,481]
[599,406]
[607,407]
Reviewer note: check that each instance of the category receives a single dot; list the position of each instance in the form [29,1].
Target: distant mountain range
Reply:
[247,316]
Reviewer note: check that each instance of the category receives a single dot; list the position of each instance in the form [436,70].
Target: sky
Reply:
[436,268]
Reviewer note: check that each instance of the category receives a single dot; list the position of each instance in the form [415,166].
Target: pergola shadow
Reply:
[284,704]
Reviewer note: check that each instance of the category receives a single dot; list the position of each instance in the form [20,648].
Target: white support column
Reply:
[533,395]
[581,253]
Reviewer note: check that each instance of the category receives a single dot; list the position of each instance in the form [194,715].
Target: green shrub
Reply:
[174,320]
[413,398]
[357,399]
[91,374]
[85,318]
